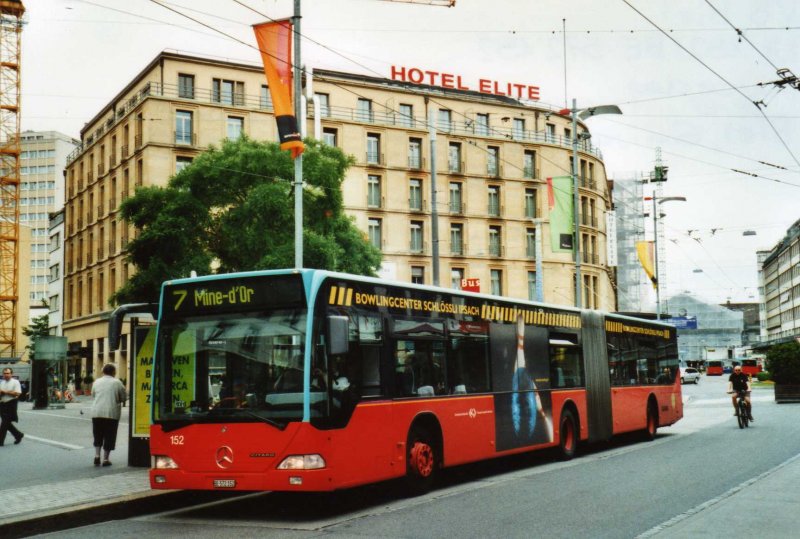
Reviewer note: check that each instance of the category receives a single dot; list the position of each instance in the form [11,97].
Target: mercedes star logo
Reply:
[224,457]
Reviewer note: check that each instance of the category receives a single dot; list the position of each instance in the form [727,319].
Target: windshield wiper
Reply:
[232,412]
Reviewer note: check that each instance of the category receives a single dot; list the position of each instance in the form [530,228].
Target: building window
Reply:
[227,92]
[406,116]
[550,131]
[183,127]
[519,129]
[481,124]
[265,98]
[417,275]
[235,126]
[415,194]
[529,164]
[532,286]
[181,162]
[496,277]
[530,242]
[329,136]
[445,120]
[364,110]
[374,226]
[456,239]
[456,205]
[185,86]
[55,241]
[373,149]
[55,303]
[495,234]
[456,276]
[454,157]
[415,153]
[415,245]
[493,194]
[530,203]
[373,191]
[324,101]
[493,161]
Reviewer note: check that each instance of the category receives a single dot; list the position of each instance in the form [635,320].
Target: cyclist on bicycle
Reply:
[739,381]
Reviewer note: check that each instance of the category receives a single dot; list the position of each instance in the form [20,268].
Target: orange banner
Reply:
[275,44]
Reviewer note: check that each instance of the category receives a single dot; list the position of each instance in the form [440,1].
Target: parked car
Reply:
[689,375]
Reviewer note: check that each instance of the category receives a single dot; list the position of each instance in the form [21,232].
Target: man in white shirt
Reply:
[10,390]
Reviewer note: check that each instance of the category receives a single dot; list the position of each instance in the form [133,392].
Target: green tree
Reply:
[783,363]
[39,326]
[232,209]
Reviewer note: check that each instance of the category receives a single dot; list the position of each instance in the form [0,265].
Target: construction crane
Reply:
[11,13]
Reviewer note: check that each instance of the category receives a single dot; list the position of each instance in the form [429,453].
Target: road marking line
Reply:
[53,442]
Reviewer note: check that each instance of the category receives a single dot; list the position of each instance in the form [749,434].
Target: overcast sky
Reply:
[684,78]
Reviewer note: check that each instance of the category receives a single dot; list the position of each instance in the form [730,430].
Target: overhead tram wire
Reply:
[741,35]
[723,79]
[158,2]
[700,145]
[431,99]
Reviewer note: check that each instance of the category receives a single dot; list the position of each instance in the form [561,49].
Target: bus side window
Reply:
[371,370]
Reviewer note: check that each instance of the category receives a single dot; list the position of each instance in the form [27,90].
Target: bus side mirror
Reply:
[338,335]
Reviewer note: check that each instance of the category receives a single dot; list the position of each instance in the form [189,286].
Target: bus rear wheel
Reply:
[421,462]
[567,436]
[652,422]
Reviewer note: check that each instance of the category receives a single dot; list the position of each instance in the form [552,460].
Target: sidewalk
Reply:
[767,503]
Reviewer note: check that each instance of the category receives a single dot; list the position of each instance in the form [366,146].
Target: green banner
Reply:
[561,213]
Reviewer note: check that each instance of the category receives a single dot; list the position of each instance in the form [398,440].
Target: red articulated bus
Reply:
[307,380]
[751,367]
[714,368]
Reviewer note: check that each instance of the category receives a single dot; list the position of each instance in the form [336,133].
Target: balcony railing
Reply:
[590,258]
[495,250]
[374,158]
[416,204]
[124,151]
[531,173]
[587,220]
[455,167]
[416,162]
[457,207]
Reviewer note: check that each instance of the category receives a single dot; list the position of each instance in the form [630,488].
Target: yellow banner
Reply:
[143,383]
[645,251]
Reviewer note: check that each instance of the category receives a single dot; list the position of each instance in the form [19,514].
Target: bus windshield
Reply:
[245,365]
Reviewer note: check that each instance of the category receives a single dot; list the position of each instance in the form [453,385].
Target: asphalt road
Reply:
[621,489]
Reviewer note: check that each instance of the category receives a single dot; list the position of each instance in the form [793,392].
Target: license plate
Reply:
[224,483]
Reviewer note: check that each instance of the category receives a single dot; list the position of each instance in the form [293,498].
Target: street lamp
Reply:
[656,202]
[583,114]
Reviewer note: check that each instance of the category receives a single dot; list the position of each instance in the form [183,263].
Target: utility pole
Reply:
[434,209]
[298,162]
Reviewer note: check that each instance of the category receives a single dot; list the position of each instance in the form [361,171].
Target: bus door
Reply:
[598,385]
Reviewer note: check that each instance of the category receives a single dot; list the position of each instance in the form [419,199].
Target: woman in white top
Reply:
[109,394]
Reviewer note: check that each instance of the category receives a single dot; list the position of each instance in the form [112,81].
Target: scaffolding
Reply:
[11,13]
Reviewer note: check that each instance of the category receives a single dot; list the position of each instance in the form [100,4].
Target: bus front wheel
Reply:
[421,462]
[567,436]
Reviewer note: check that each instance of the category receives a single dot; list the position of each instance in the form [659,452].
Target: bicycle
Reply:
[742,415]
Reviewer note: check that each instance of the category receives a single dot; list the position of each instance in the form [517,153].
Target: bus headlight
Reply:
[302,462]
[163,462]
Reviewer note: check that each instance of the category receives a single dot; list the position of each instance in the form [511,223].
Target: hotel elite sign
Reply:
[416,75]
